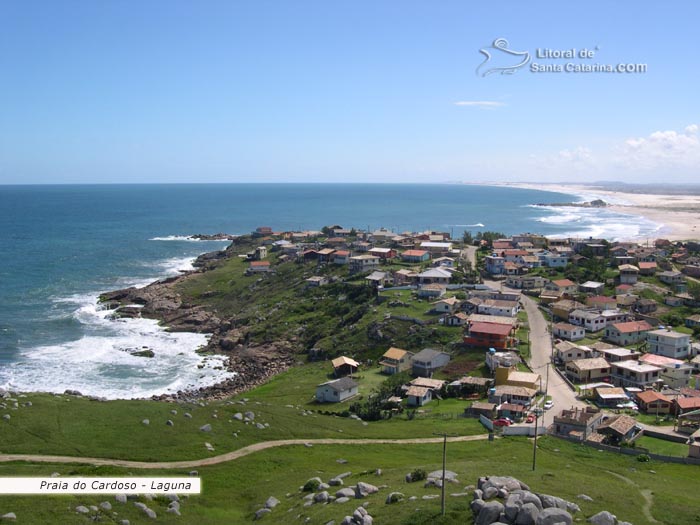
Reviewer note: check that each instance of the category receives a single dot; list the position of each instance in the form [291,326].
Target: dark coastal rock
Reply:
[143,353]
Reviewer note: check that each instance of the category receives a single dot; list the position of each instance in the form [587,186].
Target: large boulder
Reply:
[394,497]
[489,513]
[345,493]
[363,489]
[553,516]
[552,501]
[321,497]
[260,513]
[527,515]
[603,518]
[512,506]
[271,502]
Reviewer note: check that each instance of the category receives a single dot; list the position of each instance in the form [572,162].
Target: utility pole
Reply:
[444,462]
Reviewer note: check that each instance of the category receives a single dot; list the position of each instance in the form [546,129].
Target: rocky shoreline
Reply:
[160,300]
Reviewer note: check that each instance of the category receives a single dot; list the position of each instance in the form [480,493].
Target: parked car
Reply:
[537,411]
[548,404]
[502,422]
[530,418]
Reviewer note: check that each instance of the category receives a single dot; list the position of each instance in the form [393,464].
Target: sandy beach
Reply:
[679,214]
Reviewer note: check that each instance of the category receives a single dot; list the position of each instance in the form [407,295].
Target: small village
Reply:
[618,327]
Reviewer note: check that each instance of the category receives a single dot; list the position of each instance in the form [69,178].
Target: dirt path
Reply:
[230,456]
[646,494]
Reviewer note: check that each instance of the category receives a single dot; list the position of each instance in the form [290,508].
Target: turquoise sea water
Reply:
[62,245]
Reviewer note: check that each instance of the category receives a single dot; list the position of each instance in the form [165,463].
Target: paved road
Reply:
[230,456]
[540,358]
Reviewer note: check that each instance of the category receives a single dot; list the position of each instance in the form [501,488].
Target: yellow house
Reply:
[512,377]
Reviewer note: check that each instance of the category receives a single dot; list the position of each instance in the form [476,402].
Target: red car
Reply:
[502,422]
[530,418]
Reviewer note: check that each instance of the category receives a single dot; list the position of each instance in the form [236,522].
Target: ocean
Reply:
[63,245]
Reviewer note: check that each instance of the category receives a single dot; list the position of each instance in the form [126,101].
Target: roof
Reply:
[567,326]
[339,385]
[628,268]
[617,352]
[497,319]
[515,391]
[686,403]
[435,272]
[669,333]
[417,391]
[471,380]
[425,382]
[585,314]
[647,265]
[632,326]
[449,300]
[342,253]
[564,282]
[592,363]
[414,253]
[490,328]
[381,250]
[259,263]
[343,360]
[326,251]
[523,377]
[499,303]
[611,393]
[592,284]
[430,244]
[636,366]
[619,424]
[427,354]
[481,405]
[651,395]
[395,353]
[512,407]
[661,360]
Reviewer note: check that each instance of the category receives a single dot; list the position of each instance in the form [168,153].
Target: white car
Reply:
[548,404]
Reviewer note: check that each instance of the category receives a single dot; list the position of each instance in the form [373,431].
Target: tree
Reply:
[467,237]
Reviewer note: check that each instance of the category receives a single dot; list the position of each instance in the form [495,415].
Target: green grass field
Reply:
[233,491]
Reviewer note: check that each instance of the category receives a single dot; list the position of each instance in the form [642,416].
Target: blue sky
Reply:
[172,91]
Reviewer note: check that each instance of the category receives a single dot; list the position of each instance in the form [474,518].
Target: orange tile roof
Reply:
[632,326]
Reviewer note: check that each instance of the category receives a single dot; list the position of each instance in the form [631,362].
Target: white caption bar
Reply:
[188,485]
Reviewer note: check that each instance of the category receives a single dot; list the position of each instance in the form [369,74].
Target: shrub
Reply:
[311,485]
[643,458]
[418,474]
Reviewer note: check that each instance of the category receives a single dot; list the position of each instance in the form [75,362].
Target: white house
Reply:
[435,276]
[495,265]
[498,307]
[336,391]
[628,333]
[668,343]
[363,263]
[569,332]
[675,373]
[593,321]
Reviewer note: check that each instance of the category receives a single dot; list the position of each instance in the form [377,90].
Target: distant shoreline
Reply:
[678,214]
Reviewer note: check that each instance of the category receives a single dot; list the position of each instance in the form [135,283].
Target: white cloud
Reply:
[484,104]
[661,149]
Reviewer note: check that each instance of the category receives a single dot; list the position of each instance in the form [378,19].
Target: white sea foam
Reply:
[477,225]
[101,363]
[185,238]
[598,223]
